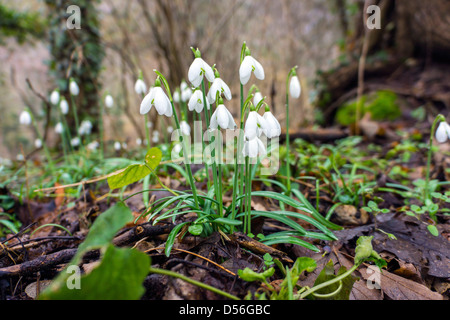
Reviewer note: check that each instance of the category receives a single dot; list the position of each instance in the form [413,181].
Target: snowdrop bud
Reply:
[54,97]
[186,94]
[93,145]
[443,132]
[149,124]
[117,146]
[38,143]
[176,97]
[124,145]
[183,85]
[169,130]
[177,149]
[75,142]
[85,127]
[140,87]
[138,141]
[20,157]
[294,87]
[73,88]
[185,128]
[249,65]
[59,128]
[109,101]
[155,138]
[25,118]
[64,106]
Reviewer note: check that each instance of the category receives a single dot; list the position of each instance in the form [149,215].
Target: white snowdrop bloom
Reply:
[254,148]
[257,98]
[138,141]
[222,118]
[64,106]
[185,128]
[196,102]
[218,86]
[38,143]
[75,142]
[176,96]
[273,128]
[198,69]
[249,65]
[117,146]
[109,101]
[254,125]
[59,128]
[186,94]
[54,97]
[25,118]
[140,87]
[177,148]
[183,85]
[149,124]
[443,132]
[294,87]
[93,145]
[73,88]
[85,127]
[169,130]
[155,138]
[124,145]
[20,157]
[157,97]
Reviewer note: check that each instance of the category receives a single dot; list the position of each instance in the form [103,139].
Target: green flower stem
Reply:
[44,146]
[207,126]
[329,282]
[438,119]
[63,136]
[288,166]
[186,162]
[194,282]
[248,186]
[75,116]
[100,124]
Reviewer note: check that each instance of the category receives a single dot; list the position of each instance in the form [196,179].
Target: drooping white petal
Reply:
[176,97]
[109,101]
[294,87]
[140,87]
[64,106]
[185,128]
[259,70]
[38,143]
[273,128]
[443,132]
[59,128]
[25,118]
[147,102]
[222,118]
[248,65]
[117,146]
[195,72]
[186,94]
[73,88]
[251,125]
[54,97]
[160,101]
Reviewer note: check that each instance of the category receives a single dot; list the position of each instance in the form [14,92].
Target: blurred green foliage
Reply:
[20,24]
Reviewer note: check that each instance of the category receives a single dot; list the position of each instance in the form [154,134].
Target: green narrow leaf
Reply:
[171,238]
[119,276]
[227,221]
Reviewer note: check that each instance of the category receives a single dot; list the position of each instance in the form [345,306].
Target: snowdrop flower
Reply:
[176,96]
[117,146]
[38,143]
[273,128]
[140,87]
[85,127]
[25,118]
[124,145]
[109,101]
[155,138]
[138,141]
[157,97]
[64,106]
[54,97]
[222,118]
[177,148]
[20,157]
[254,125]
[257,98]
[249,65]
[198,69]
[73,88]
[196,102]
[186,94]
[59,128]
[294,87]
[92,146]
[185,128]
[183,85]
[443,132]
[218,86]
[169,130]
[75,142]
[254,148]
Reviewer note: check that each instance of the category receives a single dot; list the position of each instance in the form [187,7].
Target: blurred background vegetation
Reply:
[407,58]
